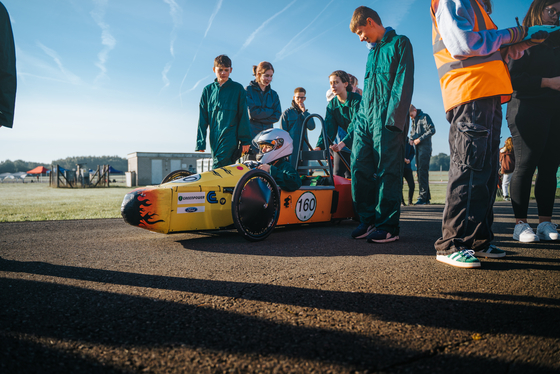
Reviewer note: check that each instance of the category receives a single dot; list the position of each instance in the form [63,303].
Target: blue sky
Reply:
[112,77]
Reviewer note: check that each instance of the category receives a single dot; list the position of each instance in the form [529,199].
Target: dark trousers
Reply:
[423,155]
[338,165]
[409,178]
[535,130]
[474,141]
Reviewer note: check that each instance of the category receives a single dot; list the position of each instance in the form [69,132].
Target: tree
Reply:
[440,162]
[7,167]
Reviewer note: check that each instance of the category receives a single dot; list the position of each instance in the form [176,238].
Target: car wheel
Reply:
[255,205]
[177,174]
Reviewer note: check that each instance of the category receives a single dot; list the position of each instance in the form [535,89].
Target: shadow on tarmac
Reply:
[75,314]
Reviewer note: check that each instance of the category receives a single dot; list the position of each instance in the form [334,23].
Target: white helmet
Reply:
[280,141]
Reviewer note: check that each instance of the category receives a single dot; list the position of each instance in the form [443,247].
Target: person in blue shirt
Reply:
[263,101]
[292,121]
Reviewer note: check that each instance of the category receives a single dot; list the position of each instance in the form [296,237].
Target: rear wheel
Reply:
[255,205]
[177,174]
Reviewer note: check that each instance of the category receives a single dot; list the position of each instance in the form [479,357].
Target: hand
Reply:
[411,142]
[538,37]
[245,148]
[338,147]
[416,141]
[406,161]
[317,149]
[265,167]
[553,83]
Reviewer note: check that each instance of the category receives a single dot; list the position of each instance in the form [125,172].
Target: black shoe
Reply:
[422,202]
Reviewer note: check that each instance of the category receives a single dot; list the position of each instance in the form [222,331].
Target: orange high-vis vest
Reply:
[474,78]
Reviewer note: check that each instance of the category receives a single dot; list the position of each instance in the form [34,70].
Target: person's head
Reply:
[273,144]
[222,68]
[353,80]
[340,82]
[412,111]
[299,96]
[542,12]
[263,73]
[367,24]
[509,144]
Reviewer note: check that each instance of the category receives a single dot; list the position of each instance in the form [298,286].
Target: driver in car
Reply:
[275,146]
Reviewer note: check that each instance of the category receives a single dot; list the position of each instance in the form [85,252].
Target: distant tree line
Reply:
[92,162]
[439,161]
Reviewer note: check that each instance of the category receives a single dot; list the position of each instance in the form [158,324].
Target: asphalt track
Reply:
[99,296]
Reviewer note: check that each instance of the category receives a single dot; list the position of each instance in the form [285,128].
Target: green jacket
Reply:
[292,121]
[339,117]
[388,84]
[285,175]
[7,70]
[224,110]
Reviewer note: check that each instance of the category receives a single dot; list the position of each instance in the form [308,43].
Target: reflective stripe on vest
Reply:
[474,77]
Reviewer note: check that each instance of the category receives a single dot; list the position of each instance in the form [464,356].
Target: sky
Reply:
[114,77]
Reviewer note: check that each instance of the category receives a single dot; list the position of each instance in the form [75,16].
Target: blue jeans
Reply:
[474,143]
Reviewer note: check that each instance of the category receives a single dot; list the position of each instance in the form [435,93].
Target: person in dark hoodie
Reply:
[263,101]
[421,131]
[407,174]
[292,121]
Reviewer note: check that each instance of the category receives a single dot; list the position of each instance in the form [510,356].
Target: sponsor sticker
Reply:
[189,179]
[190,209]
[189,198]
[211,197]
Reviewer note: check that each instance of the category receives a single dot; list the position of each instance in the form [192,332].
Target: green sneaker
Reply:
[491,252]
[461,259]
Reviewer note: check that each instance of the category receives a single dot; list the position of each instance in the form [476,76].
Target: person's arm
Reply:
[286,178]
[203,122]
[243,131]
[401,92]
[456,20]
[354,108]
[311,122]
[259,111]
[524,77]
[429,128]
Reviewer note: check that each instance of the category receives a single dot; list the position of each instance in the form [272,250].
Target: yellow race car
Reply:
[243,197]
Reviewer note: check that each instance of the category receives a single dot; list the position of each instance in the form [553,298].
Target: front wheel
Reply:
[177,174]
[255,205]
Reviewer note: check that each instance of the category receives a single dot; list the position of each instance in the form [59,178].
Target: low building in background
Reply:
[147,168]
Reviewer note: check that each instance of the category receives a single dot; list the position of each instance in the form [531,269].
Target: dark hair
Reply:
[262,67]
[360,16]
[344,78]
[222,60]
[534,14]
[300,89]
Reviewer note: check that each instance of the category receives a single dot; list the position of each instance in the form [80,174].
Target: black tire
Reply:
[255,205]
[177,174]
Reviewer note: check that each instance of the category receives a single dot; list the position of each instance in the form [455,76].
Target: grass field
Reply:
[39,202]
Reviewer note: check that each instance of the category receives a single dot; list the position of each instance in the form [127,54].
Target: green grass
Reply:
[39,202]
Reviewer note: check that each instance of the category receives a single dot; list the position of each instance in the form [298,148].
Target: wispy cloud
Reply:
[176,13]
[392,18]
[262,26]
[282,54]
[67,75]
[214,13]
[107,40]
[198,83]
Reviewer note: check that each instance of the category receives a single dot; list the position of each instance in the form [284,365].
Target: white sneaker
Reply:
[524,233]
[547,231]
